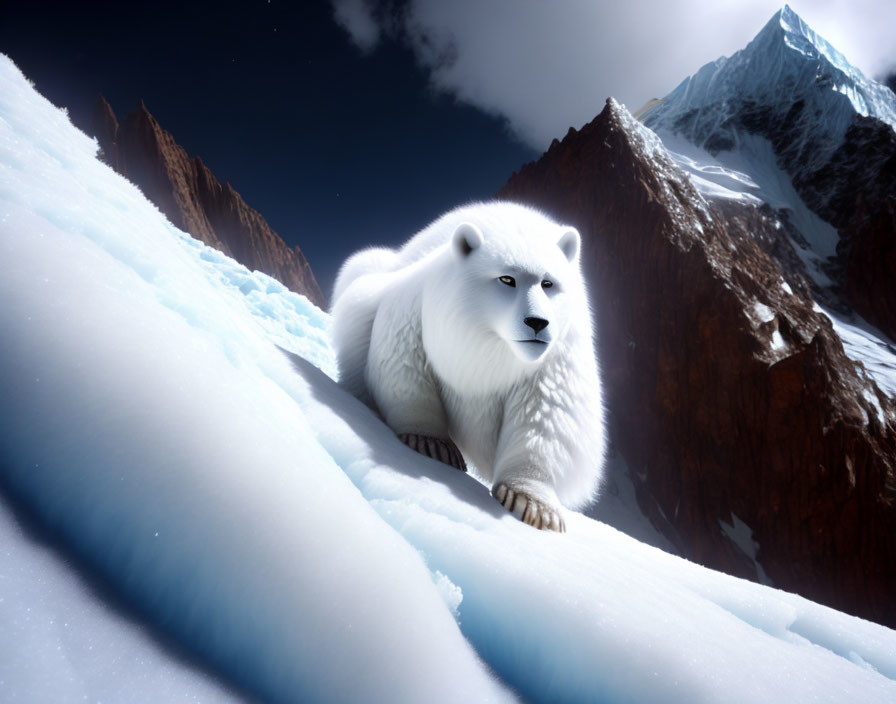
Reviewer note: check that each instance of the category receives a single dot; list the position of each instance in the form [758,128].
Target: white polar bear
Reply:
[477,335]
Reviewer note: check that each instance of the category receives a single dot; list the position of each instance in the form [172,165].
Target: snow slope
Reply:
[144,419]
[61,642]
[248,507]
[750,174]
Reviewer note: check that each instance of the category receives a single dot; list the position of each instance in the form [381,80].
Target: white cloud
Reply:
[357,19]
[546,66]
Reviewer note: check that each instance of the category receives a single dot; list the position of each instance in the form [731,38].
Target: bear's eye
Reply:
[509,280]
[547,284]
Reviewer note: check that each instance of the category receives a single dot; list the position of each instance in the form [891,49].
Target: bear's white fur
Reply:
[446,338]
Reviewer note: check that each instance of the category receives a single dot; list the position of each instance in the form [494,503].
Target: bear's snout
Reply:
[537,324]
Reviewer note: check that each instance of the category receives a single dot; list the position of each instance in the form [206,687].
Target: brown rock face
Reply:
[194,200]
[729,394]
[870,281]
[105,129]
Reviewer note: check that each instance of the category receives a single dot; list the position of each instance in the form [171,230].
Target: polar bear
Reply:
[474,340]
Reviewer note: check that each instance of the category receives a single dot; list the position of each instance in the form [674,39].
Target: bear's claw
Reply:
[439,450]
[529,510]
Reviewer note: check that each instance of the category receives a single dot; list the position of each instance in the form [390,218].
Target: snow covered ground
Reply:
[244,505]
[61,641]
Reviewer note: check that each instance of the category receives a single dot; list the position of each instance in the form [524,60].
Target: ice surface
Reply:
[286,317]
[274,526]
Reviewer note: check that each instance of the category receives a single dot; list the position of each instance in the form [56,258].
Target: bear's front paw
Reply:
[528,509]
[441,450]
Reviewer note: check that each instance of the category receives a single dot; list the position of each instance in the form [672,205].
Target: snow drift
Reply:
[272,525]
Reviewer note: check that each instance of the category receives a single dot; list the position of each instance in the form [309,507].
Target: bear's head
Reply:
[522,281]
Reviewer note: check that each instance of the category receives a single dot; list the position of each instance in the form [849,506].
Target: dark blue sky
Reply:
[336,149]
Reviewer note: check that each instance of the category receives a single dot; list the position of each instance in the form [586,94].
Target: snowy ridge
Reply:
[750,175]
[649,144]
[786,62]
[287,318]
[275,527]
[713,121]
[867,97]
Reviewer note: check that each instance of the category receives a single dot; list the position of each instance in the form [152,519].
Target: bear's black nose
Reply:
[537,324]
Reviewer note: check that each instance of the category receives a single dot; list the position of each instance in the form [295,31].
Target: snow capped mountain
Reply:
[272,525]
[786,199]
[787,63]
[789,123]
[730,396]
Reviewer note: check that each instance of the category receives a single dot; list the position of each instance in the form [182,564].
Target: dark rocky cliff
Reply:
[730,395]
[194,200]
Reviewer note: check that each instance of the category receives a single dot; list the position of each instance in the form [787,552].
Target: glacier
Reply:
[172,417]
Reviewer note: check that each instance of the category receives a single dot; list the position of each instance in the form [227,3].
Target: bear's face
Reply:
[521,287]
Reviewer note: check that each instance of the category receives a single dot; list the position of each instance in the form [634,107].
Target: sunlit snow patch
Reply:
[864,343]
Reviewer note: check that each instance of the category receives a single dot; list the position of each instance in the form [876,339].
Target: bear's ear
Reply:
[570,243]
[467,237]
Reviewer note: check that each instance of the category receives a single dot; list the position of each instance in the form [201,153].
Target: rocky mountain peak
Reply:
[787,27]
[816,138]
[194,200]
[785,64]
[731,398]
